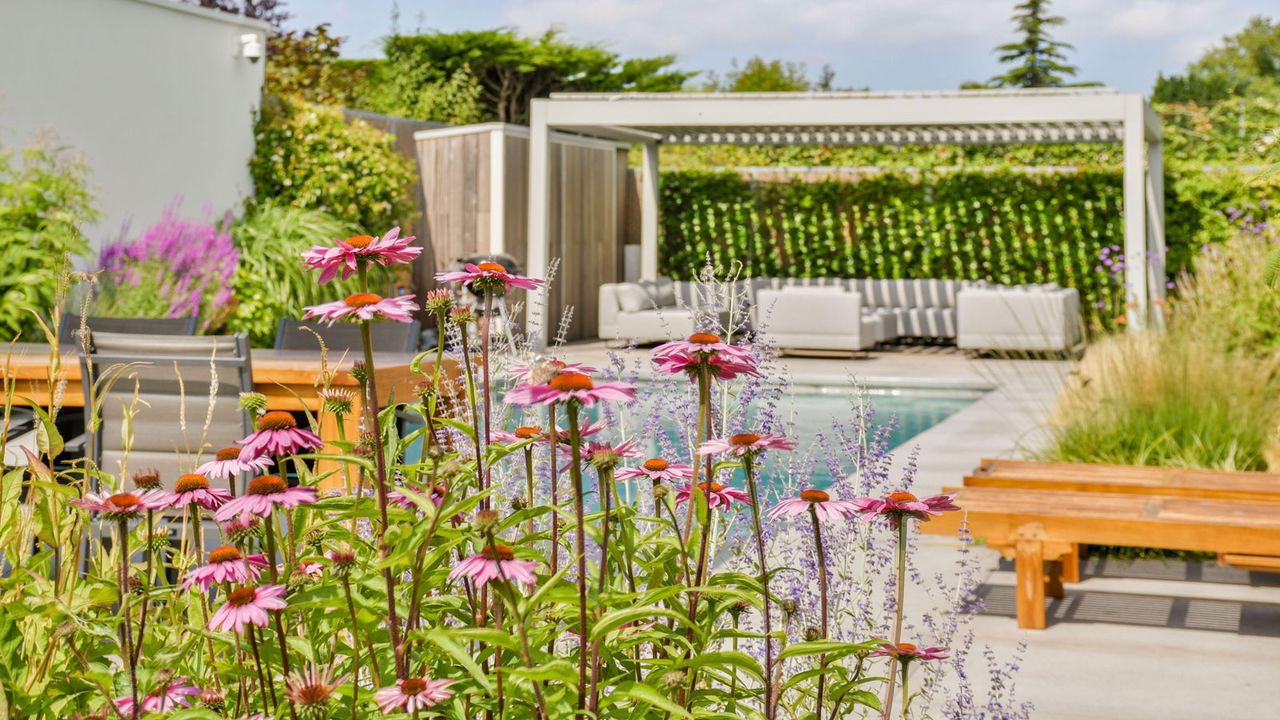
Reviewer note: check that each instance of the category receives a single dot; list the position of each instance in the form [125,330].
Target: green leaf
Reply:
[642,693]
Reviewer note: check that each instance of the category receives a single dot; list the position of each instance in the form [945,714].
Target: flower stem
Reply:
[758,531]
[355,649]
[528,484]
[554,439]
[575,475]
[263,687]
[371,414]
[276,615]
[822,590]
[899,589]
[126,631]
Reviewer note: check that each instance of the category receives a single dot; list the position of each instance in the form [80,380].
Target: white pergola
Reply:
[1000,117]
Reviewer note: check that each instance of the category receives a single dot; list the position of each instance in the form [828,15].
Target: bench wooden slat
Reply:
[1259,482]
[1176,487]
[1117,519]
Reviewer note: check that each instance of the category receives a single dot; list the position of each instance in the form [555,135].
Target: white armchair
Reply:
[799,318]
[1029,318]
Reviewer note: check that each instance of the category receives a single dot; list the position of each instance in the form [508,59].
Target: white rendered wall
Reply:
[155,96]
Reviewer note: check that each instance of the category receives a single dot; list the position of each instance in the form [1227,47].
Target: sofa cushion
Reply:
[889,293]
[661,291]
[930,322]
[632,297]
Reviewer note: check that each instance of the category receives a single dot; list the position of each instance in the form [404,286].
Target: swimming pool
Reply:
[811,409]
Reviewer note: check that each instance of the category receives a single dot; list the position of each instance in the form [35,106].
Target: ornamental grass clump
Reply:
[569,543]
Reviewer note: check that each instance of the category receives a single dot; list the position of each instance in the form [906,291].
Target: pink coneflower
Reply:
[364,306]
[702,343]
[170,696]
[495,562]
[489,276]
[123,506]
[657,470]
[227,464]
[435,492]
[226,564]
[717,495]
[586,429]
[746,444]
[602,455]
[724,367]
[247,605]
[412,694]
[520,434]
[310,569]
[345,255]
[239,530]
[901,504]
[278,434]
[538,372]
[570,386]
[194,488]
[906,652]
[265,494]
[817,500]
[312,688]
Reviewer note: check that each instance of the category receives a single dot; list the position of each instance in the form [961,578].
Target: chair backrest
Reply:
[135,326]
[187,390]
[339,337]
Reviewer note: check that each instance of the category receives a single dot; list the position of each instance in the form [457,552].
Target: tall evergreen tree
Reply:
[1037,59]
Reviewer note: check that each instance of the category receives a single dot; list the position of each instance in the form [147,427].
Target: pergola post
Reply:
[538,248]
[1155,236]
[649,213]
[1135,203]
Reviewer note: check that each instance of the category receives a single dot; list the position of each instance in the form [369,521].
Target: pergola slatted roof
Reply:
[965,117]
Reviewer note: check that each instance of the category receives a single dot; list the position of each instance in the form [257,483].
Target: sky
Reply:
[878,44]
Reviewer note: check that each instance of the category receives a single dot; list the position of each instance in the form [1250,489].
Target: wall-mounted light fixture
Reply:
[251,47]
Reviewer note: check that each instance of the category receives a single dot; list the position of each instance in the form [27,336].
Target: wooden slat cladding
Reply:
[587,217]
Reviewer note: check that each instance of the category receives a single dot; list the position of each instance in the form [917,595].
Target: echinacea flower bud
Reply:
[737,608]
[366,446]
[147,479]
[158,542]
[449,469]
[439,302]
[436,453]
[338,401]
[359,372]
[485,522]
[790,607]
[425,391]
[518,503]
[213,699]
[461,316]
[253,402]
[315,538]
[812,634]
[660,492]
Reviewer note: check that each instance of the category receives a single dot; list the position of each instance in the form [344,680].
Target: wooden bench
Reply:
[1042,514]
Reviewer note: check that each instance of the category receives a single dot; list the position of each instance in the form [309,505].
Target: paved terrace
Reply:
[1163,640]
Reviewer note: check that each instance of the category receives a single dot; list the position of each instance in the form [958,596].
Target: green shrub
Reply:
[308,156]
[270,282]
[1001,225]
[43,204]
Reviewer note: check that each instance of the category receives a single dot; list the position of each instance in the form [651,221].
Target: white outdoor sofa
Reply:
[842,314]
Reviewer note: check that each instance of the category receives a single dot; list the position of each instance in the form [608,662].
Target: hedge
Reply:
[1008,226]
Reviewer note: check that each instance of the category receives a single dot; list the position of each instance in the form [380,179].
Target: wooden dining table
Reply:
[290,380]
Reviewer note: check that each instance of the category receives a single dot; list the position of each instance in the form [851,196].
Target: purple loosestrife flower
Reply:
[345,255]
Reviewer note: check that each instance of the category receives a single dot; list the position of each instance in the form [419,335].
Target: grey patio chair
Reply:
[137,326]
[175,377]
[339,337]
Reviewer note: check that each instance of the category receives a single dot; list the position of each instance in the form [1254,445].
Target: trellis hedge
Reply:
[1006,226]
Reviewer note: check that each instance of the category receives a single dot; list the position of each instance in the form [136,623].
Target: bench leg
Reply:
[1029,562]
[1054,578]
[1071,565]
